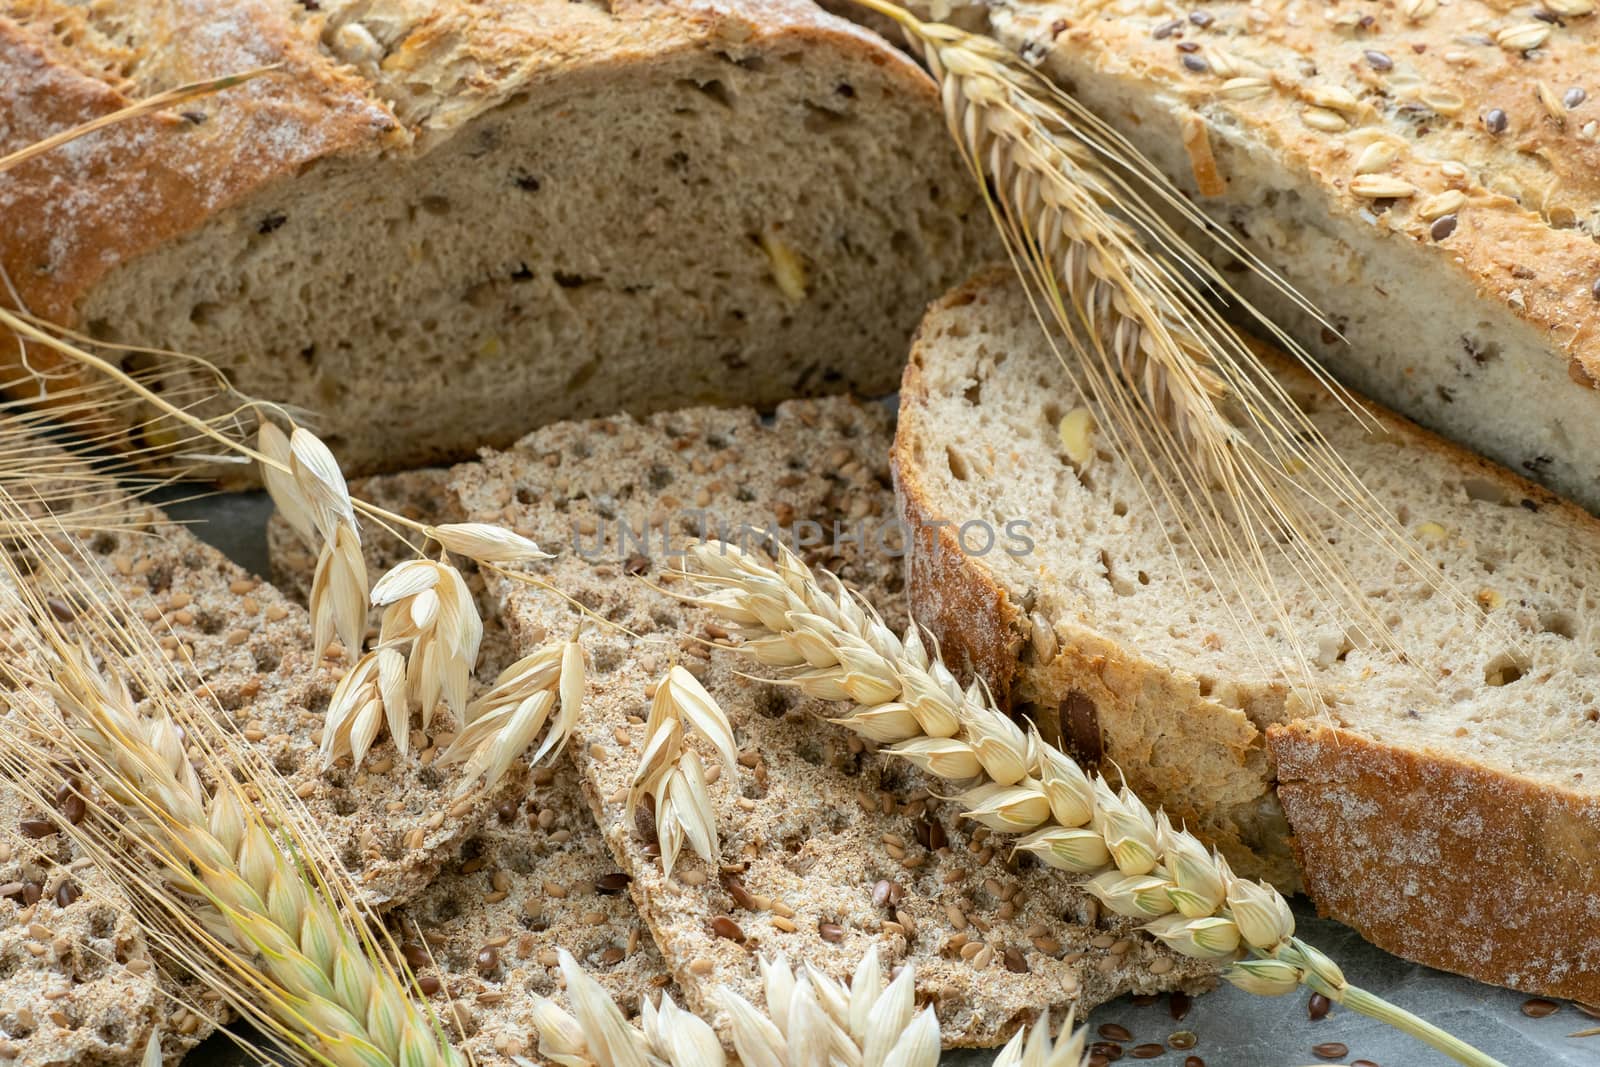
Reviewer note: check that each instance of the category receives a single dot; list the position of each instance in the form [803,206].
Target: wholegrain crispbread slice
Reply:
[536,877]
[825,843]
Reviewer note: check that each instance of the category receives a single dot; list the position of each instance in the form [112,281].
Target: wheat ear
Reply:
[1174,388]
[226,873]
[1142,866]
[671,773]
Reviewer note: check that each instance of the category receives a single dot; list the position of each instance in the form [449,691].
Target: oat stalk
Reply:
[227,874]
[1174,388]
[811,1018]
[502,723]
[671,773]
[600,1036]
[835,647]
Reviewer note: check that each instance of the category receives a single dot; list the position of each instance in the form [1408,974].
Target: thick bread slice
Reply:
[442,224]
[1448,811]
[1470,303]
[812,822]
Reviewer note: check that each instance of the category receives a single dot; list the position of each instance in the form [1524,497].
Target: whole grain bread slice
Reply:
[1445,810]
[442,224]
[827,848]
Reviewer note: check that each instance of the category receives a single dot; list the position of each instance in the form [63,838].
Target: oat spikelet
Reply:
[503,722]
[671,773]
[1174,389]
[811,1018]
[372,693]
[600,1036]
[227,874]
[837,648]
[428,605]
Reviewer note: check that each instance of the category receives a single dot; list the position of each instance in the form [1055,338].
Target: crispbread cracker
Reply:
[813,821]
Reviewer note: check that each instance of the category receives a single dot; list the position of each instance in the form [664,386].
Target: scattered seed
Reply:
[1183,1039]
[880,893]
[414,954]
[428,984]
[36,828]
[1193,1061]
[1573,97]
[1539,1007]
[781,923]
[1016,963]
[1318,1007]
[1115,1032]
[609,885]
[66,893]
[488,961]
[1495,120]
[1178,1006]
[1364,1063]
[832,932]
[1195,64]
[723,926]
[1378,61]
[1107,1051]
[1442,227]
[1330,1050]
[1148,1051]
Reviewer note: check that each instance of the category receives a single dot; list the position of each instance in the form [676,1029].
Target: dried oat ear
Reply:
[1173,389]
[672,774]
[598,1032]
[226,871]
[1137,862]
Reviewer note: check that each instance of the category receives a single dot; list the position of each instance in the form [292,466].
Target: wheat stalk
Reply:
[228,875]
[837,648]
[671,773]
[1176,388]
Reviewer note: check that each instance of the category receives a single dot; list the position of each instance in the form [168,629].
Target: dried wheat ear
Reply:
[835,647]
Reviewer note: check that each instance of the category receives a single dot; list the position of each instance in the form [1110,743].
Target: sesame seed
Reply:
[1442,227]
[1495,120]
[1378,61]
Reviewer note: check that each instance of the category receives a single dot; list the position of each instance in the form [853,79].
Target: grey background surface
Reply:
[1235,1029]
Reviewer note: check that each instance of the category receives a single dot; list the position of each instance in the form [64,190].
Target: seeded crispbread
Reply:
[825,843]
[535,878]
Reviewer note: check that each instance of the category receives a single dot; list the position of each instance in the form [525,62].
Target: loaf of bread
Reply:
[1428,173]
[438,225]
[1448,809]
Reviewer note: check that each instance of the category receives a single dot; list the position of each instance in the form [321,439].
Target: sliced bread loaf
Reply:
[826,847]
[1449,812]
[1427,172]
[439,225]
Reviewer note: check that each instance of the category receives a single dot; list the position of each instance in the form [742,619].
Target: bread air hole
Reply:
[1504,669]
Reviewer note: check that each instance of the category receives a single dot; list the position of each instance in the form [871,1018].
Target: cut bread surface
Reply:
[1432,191]
[478,218]
[1124,642]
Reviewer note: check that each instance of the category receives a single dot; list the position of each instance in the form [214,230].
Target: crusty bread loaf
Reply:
[1449,810]
[440,225]
[1471,303]
[813,821]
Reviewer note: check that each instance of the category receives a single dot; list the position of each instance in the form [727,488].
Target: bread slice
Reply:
[831,847]
[442,224]
[1446,812]
[1467,291]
